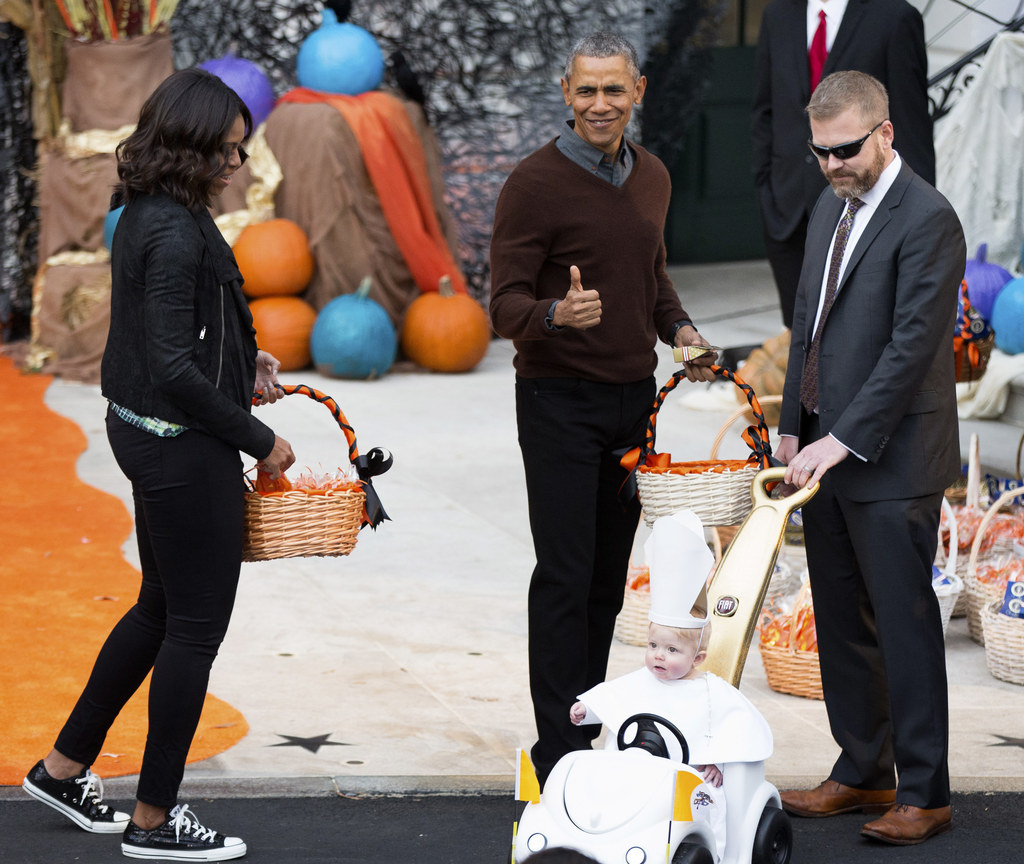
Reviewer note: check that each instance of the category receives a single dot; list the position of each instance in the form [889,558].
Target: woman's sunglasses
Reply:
[842,151]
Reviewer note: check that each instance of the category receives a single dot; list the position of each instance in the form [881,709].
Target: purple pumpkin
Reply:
[984,282]
[248,81]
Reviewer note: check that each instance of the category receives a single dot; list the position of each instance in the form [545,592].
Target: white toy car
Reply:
[635,805]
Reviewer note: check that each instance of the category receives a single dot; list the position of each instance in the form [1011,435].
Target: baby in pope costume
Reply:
[719,723]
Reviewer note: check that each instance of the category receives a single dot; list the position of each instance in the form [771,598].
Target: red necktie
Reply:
[809,381]
[819,51]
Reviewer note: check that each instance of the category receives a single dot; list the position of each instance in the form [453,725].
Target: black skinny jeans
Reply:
[189,504]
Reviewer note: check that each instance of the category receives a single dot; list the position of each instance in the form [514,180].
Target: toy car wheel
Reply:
[773,840]
[692,853]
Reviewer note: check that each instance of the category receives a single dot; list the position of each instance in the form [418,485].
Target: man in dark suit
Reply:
[869,412]
[885,39]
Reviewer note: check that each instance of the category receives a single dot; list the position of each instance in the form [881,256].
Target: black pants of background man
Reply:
[189,505]
[786,257]
[582,535]
[880,641]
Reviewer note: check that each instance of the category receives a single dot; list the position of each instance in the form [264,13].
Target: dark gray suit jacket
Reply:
[886,383]
[884,38]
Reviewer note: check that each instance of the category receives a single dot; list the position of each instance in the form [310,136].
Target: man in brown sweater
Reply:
[579,284]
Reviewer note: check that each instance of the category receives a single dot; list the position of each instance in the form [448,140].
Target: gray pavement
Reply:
[411,651]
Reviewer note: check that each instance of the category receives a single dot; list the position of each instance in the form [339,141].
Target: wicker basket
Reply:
[791,671]
[1004,644]
[720,493]
[980,594]
[788,668]
[297,524]
[632,624]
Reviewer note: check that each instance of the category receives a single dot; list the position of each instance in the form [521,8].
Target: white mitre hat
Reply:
[680,561]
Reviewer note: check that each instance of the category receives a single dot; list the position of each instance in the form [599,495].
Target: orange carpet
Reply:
[63,585]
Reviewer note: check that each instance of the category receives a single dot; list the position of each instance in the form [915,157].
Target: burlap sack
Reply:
[107,82]
[74,197]
[73,317]
[327,191]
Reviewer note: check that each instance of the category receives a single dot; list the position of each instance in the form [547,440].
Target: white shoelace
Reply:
[184,820]
[92,787]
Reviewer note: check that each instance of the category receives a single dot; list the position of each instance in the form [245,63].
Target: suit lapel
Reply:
[794,46]
[845,36]
[819,238]
[879,219]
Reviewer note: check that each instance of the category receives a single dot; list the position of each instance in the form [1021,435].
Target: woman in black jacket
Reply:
[179,370]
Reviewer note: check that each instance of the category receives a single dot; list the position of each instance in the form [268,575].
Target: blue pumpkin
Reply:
[340,58]
[353,337]
[1008,317]
[248,81]
[109,224]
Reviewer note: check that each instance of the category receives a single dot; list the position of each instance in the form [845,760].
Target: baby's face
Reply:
[669,655]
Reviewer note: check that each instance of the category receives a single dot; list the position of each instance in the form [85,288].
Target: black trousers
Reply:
[582,537]
[786,257]
[189,501]
[880,642]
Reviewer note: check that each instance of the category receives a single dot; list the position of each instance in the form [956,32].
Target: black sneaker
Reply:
[180,838]
[79,798]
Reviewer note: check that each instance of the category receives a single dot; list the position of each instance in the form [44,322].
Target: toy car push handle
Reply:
[740,583]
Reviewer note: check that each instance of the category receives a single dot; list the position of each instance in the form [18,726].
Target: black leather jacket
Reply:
[181,344]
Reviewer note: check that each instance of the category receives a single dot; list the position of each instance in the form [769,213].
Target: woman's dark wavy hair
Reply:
[176,147]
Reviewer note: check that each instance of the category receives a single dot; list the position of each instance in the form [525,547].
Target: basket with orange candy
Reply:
[717,490]
[789,645]
[317,514]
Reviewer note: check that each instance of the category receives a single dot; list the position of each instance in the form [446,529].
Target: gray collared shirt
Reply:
[615,171]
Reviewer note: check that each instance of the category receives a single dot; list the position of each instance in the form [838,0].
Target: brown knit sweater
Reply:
[552,214]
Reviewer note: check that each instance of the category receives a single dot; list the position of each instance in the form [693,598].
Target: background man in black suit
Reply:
[869,412]
[885,39]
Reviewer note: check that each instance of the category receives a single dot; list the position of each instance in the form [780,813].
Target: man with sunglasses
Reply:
[800,41]
[869,413]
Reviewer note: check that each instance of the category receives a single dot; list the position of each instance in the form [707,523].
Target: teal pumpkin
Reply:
[1008,317]
[353,337]
[340,58]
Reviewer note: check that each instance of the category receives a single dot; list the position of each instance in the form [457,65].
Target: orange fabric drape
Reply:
[393,155]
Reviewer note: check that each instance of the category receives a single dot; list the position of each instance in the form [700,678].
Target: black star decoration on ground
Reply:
[311,744]
[1009,742]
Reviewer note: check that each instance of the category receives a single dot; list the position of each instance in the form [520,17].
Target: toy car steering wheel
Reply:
[649,738]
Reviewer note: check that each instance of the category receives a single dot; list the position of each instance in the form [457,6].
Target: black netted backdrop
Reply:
[488,69]
[19,218]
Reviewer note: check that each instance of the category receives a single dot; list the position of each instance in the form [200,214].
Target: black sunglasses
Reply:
[842,151]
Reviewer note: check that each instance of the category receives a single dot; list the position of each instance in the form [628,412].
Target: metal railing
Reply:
[947,85]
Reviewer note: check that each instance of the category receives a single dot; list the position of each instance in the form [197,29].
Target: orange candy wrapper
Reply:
[312,483]
[790,626]
[638,578]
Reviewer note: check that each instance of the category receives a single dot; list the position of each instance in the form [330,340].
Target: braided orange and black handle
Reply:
[374,463]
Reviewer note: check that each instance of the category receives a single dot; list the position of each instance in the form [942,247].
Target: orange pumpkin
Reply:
[445,331]
[274,258]
[283,325]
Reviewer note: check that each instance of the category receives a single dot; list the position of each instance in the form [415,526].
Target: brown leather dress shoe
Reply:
[905,825]
[831,798]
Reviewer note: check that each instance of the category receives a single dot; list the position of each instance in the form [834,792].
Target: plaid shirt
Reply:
[154,425]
